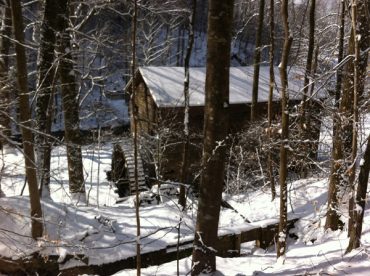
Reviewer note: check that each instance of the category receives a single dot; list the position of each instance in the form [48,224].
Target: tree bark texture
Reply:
[185,150]
[25,120]
[346,121]
[306,130]
[220,15]
[336,172]
[44,89]
[336,169]
[70,110]
[288,39]
[360,201]
[257,60]
[5,97]
[359,75]
[352,167]
[332,222]
[346,107]
[347,98]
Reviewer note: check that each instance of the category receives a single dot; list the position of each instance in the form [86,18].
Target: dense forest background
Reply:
[101,35]
[71,122]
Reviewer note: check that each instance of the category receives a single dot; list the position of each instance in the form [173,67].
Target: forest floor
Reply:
[105,232]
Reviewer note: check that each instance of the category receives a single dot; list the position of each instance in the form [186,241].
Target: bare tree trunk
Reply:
[332,217]
[358,214]
[5,33]
[352,168]
[346,110]
[336,154]
[338,86]
[305,121]
[70,110]
[345,129]
[360,33]
[135,115]
[271,93]
[257,61]
[186,143]
[309,69]
[216,122]
[288,39]
[178,54]
[46,76]
[25,120]
[2,194]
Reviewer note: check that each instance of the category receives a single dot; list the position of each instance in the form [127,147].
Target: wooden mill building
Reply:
[160,101]
[160,96]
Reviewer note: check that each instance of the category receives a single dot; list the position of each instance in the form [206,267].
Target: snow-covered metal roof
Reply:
[166,85]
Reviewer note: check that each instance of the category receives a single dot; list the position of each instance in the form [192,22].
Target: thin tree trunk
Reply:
[288,39]
[304,122]
[186,143]
[178,54]
[5,33]
[70,110]
[332,217]
[338,86]
[360,33]
[216,122]
[358,215]
[271,93]
[352,168]
[2,194]
[346,110]
[25,120]
[257,61]
[46,76]
[135,115]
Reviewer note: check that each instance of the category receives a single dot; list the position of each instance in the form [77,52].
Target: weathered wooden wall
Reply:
[152,118]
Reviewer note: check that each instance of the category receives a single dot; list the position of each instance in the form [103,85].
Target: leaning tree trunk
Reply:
[44,90]
[257,60]
[70,110]
[288,39]
[216,122]
[186,143]
[25,120]
[5,33]
[271,93]
[360,201]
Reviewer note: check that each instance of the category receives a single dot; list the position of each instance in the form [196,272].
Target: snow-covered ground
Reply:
[96,161]
[315,252]
[105,232]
